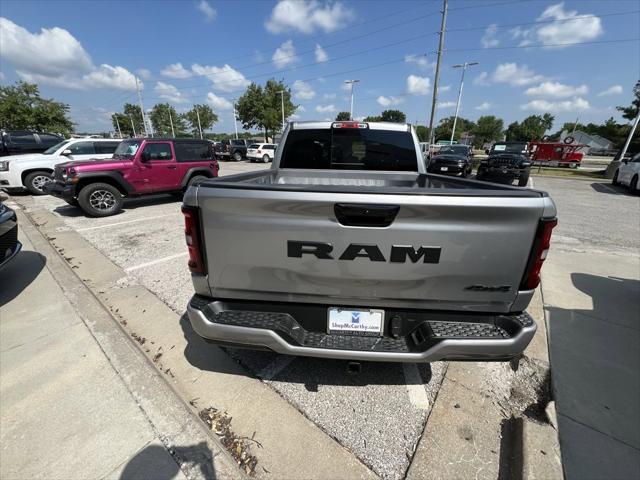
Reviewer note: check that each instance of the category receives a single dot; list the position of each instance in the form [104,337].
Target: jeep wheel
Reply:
[195,180]
[237,156]
[100,200]
[614,180]
[35,182]
[265,158]
[523,180]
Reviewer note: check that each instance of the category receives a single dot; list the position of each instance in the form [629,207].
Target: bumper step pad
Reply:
[425,335]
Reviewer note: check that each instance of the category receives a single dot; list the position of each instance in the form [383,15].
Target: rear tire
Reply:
[523,180]
[633,186]
[100,200]
[614,180]
[35,181]
[265,158]
[237,156]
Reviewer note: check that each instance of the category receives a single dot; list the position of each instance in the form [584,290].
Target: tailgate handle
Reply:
[363,215]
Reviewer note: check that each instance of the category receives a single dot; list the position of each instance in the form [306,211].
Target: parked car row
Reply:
[239,149]
[16,142]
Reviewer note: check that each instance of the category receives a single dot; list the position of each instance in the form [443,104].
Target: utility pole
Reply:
[144,118]
[575,125]
[198,115]
[173,132]
[437,77]
[118,124]
[132,127]
[455,119]
[281,92]
[235,118]
[352,83]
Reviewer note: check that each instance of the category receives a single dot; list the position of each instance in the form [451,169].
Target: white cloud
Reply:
[307,16]
[577,104]
[418,85]
[284,55]
[613,90]
[326,108]
[55,57]
[168,92]
[444,88]
[388,101]
[329,96]
[302,90]
[560,28]
[483,106]
[421,61]
[489,39]
[144,73]
[218,103]
[2,77]
[176,70]
[321,54]
[224,78]
[294,116]
[556,90]
[207,10]
[446,104]
[511,74]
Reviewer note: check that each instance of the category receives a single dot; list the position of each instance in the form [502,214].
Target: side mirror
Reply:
[66,152]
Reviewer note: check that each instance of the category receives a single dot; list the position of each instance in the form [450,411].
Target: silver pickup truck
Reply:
[346,248]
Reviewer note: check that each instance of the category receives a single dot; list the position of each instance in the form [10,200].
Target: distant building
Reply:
[595,143]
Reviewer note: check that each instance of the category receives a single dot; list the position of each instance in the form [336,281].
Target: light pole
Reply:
[198,115]
[235,118]
[455,119]
[281,92]
[132,127]
[118,124]
[352,83]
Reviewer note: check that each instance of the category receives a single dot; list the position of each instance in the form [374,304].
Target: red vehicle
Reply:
[138,167]
[556,154]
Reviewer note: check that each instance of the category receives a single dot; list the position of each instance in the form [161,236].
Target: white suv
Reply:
[628,173]
[32,171]
[263,152]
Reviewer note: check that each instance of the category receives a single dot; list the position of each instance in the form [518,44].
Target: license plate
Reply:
[356,322]
[444,169]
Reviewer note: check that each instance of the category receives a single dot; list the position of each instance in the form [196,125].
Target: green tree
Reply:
[423,133]
[531,128]
[488,129]
[22,108]
[631,112]
[343,116]
[132,115]
[207,118]
[372,118]
[261,107]
[445,126]
[395,116]
[161,116]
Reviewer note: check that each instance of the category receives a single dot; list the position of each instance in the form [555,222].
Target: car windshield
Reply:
[454,150]
[127,149]
[54,149]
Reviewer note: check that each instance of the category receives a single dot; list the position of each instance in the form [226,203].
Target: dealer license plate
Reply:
[356,322]
[444,169]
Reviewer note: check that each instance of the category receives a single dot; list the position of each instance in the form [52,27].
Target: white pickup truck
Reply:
[346,248]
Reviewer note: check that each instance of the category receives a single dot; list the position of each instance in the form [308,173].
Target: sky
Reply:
[574,59]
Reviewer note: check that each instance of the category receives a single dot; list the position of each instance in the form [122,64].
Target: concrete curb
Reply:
[179,430]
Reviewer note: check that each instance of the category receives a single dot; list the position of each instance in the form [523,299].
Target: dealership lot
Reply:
[382,423]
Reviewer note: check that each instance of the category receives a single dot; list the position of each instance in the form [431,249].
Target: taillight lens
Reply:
[539,253]
[349,125]
[192,237]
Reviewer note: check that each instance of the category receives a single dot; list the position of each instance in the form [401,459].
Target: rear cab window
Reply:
[193,151]
[350,149]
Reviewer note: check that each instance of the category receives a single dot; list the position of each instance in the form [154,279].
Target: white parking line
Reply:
[124,223]
[415,386]
[155,262]
[274,368]
[531,182]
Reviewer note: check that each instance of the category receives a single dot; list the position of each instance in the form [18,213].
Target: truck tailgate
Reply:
[484,243]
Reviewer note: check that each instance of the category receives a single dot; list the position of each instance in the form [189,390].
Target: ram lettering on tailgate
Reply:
[398,254]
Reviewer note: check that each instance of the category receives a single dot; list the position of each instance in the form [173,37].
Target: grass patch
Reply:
[568,172]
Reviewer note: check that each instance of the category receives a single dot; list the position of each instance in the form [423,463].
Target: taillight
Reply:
[539,253]
[192,237]
[349,125]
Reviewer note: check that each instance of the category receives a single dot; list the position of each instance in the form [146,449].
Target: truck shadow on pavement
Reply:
[310,372]
[154,462]
[595,359]
[611,189]
[19,273]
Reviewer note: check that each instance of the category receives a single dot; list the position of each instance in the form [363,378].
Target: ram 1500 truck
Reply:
[346,248]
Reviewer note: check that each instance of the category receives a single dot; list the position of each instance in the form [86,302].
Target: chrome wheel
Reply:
[102,200]
[39,181]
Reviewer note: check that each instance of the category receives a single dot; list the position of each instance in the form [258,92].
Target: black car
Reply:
[16,142]
[452,160]
[236,149]
[9,244]
[507,161]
